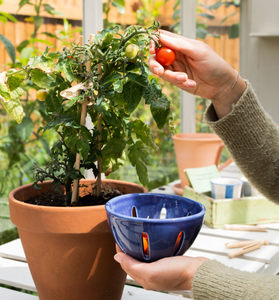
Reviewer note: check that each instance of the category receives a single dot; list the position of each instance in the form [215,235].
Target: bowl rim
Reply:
[169,220]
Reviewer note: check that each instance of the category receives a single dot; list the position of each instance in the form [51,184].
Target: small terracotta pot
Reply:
[69,250]
[195,150]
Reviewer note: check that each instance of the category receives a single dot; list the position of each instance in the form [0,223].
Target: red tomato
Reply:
[165,56]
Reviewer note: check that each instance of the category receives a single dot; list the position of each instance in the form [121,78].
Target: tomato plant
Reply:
[115,87]
[165,56]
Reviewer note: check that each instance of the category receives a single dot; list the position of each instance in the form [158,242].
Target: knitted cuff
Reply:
[247,115]
[215,281]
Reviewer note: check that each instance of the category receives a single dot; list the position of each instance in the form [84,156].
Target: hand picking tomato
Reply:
[165,56]
[131,51]
[41,95]
[145,243]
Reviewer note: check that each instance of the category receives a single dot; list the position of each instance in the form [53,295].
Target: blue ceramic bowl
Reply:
[133,217]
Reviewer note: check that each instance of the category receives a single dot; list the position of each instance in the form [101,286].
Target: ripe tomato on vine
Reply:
[165,56]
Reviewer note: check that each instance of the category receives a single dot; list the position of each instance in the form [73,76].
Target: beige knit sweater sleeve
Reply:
[252,139]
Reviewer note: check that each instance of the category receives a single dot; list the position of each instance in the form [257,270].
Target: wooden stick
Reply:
[82,122]
[245,243]
[249,248]
[244,227]
[99,127]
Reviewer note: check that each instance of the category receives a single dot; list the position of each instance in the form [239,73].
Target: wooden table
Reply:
[210,243]
[14,272]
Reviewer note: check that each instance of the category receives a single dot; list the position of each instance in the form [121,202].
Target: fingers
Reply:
[190,47]
[133,268]
[165,32]
[180,79]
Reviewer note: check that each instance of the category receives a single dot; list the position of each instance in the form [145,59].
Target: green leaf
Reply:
[26,53]
[160,109]
[38,22]
[132,94]
[142,172]
[22,45]
[152,91]
[138,79]
[41,41]
[64,66]
[83,147]
[143,132]
[3,19]
[5,94]
[72,140]
[42,63]
[9,47]
[210,17]
[139,158]
[108,114]
[114,146]
[234,31]
[8,16]
[22,3]
[44,80]
[111,78]
[15,80]
[201,33]
[49,9]
[228,16]
[137,152]
[120,5]
[51,35]
[17,93]
[14,108]
[25,129]
[216,5]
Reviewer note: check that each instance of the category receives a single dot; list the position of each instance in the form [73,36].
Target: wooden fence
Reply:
[72,10]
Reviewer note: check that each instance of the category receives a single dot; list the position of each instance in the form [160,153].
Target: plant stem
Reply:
[11,74]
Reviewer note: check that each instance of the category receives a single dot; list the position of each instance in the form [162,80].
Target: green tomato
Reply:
[131,51]
[41,95]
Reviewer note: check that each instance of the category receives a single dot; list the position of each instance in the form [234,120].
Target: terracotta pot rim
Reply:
[197,137]
[13,199]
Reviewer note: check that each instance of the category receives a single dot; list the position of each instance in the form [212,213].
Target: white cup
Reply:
[226,188]
[248,190]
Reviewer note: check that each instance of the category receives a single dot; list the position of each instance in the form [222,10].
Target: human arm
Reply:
[208,279]
[252,139]
[249,134]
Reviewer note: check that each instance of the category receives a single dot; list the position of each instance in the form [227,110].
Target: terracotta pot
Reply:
[69,250]
[195,150]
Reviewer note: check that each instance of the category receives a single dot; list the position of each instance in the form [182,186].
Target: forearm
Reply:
[215,281]
[252,138]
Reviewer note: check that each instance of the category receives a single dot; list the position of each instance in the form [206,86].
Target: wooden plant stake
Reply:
[84,105]
[99,127]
